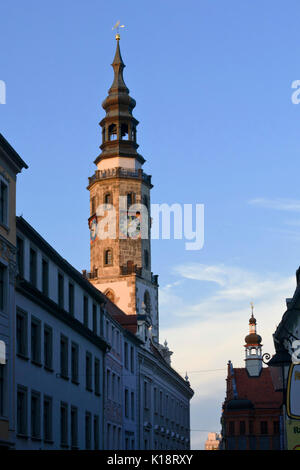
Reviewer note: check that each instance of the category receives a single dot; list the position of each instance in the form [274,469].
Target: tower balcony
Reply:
[124,271]
[120,172]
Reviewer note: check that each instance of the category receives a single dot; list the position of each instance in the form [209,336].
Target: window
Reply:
[63,424]
[71,299]
[231,428]
[88,371]
[20,256]
[35,340]
[60,286]
[1,390]
[264,427]
[96,432]
[95,319]
[242,428]
[276,428]
[22,410]
[132,406]
[155,400]
[124,131]
[35,415]
[32,266]
[45,277]
[85,311]
[64,357]
[130,199]
[108,257]
[108,384]
[47,419]
[251,427]
[147,302]
[74,427]
[126,355]
[126,403]
[119,390]
[113,386]
[108,198]
[2,286]
[112,132]
[21,333]
[88,430]
[3,203]
[131,359]
[48,348]
[161,403]
[101,322]
[146,258]
[93,205]
[74,362]
[97,377]
[146,395]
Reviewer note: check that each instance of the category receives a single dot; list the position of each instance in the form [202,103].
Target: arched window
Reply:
[110,294]
[112,132]
[108,257]
[130,199]
[108,198]
[147,302]
[124,131]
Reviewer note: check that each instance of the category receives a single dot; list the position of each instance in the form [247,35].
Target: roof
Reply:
[14,158]
[259,390]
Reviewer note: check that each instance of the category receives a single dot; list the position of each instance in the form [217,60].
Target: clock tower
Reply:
[120,210]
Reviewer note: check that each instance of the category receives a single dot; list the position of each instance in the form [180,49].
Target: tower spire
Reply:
[118,66]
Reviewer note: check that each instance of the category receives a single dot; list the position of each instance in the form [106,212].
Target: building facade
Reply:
[10,165]
[60,350]
[252,413]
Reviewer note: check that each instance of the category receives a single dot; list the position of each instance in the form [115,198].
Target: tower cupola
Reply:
[119,125]
[253,348]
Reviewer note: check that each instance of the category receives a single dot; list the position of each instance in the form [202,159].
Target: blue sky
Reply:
[212,81]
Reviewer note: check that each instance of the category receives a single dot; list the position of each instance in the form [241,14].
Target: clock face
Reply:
[93,230]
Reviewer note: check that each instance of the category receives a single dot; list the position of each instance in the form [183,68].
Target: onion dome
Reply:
[253,338]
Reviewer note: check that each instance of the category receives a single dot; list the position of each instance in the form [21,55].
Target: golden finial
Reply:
[117,26]
[252,307]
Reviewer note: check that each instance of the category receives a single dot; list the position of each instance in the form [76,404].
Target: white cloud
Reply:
[212,331]
[290,205]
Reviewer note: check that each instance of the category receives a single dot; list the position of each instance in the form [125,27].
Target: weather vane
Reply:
[117,27]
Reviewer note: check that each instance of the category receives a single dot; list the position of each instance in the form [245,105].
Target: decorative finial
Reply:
[252,307]
[186,377]
[117,26]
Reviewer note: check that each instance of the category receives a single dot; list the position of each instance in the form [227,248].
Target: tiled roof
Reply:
[259,390]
